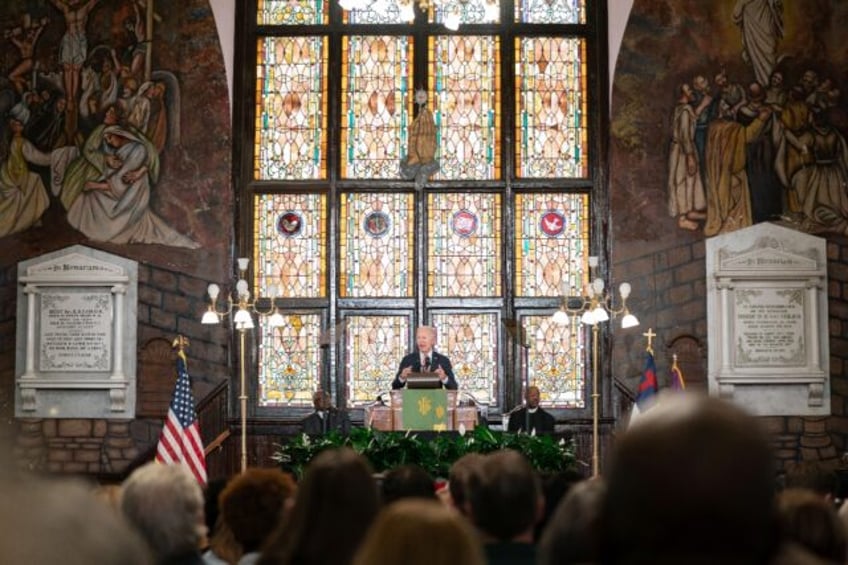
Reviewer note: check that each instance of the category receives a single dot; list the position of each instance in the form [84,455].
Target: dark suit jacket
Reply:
[541,421]
[436,360]
[333,420]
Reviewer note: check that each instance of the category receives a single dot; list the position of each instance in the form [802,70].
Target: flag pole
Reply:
[596,443]
[243,398]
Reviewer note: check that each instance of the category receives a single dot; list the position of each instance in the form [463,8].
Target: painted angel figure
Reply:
[420,161]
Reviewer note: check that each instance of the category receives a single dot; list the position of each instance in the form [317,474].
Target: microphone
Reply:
[426,366]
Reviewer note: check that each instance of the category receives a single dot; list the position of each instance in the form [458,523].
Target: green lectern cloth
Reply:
[425,409]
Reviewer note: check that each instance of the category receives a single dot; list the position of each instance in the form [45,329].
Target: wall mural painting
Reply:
[748,97]
[96,141]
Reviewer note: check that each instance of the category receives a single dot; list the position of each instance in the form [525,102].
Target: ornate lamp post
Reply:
[594,307]
[240,306]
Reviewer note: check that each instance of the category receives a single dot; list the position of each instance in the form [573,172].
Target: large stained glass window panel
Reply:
[291,12]
[464,245]
[290,361]
[290,245]
[376,104]
[551,244]
[551,125]
[471,342]
[374,346]
[550,11]
[466,11]
[376,245]
[555,360]
[291,114]
[380,12]
[465,72]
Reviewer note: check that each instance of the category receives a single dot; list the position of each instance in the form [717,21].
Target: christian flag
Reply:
[180,440]
[647,392]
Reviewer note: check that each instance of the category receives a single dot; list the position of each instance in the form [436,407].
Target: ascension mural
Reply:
[746,97]
[97,140]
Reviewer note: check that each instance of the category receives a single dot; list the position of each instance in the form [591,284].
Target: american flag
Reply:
[180,440]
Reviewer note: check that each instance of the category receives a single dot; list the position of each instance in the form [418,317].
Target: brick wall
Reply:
[669,295]
[170,303]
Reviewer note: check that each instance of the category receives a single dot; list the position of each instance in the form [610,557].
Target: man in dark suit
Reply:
[425,360]
[326,417]
[531,416]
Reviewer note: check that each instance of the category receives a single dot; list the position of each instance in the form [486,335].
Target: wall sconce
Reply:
[242,309]
[594,308]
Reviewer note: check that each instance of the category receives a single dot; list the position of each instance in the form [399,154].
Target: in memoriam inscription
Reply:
[770,327]
[76,331]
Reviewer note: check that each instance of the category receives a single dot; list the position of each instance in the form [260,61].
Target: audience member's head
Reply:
[419,532]
[691,482]
[221,542]
[458,478]
[335,504]
[554,488]
[506,498]
[817,476]
[165,504]
[58,521]
[573,532]
[252,505]
[810,520]
[211,506]
[109,494]
[407,481]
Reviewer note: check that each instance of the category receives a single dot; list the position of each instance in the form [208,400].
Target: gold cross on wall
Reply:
[650,335]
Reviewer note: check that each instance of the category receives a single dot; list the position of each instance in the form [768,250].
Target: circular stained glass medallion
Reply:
[552,223]
[376,224]
[289,224]
[464,223]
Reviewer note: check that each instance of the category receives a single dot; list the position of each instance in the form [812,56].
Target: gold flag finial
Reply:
[180,343]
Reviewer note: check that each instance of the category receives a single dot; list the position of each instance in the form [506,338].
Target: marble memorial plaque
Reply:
[76,333]
[767,320]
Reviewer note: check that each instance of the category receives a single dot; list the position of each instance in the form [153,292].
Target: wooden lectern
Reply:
[390,418]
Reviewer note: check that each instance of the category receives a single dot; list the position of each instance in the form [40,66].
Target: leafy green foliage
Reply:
[434,451]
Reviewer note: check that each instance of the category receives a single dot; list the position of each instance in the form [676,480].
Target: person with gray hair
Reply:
[44,522]
[165,504]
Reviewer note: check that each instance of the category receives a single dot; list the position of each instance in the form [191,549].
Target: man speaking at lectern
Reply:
[425,360]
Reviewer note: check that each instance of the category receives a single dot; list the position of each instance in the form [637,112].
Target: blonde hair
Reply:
[397,534]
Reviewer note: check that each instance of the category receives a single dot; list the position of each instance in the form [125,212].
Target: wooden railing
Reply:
[215,429]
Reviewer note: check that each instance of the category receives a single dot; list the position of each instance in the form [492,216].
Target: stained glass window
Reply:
[551,107]
[376,105]
[465,72]
[551,11]
[470,340]
[374,346]
[347,235]
[464,247]
[555,359]
[466,11]
[291,12]
[551,244]
[290,245]
[291,115]
[381,12]
[376,245]
[290,361]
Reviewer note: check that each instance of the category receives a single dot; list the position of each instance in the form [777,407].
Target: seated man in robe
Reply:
[531,417]
[326,417]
